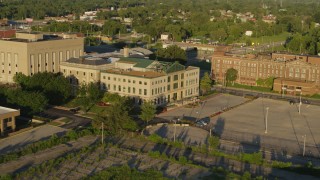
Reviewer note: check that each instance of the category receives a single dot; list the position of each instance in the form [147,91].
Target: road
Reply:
[76,121]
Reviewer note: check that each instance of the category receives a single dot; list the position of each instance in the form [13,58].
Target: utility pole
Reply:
[304,144]
[266,130]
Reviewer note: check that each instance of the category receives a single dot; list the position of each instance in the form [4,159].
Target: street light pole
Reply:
[304,144]
[266,131]
[300,103]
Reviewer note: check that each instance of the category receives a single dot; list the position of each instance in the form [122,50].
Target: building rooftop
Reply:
[147,74]
[4,110]
[141,63]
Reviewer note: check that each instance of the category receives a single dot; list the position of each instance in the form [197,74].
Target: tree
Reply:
[231,75]
[171,54]
[116,118]
[88,95]
[205,83]
[54,86]
[148,111]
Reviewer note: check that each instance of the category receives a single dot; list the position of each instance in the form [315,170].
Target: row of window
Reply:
[126,80]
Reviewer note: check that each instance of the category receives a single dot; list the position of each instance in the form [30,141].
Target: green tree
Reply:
[231,75]
[171,54]
[88,95]
[205,83]
[55,87]
[148,111]
[116,118]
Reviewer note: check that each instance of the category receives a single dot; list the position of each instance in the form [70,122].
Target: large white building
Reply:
[141,79]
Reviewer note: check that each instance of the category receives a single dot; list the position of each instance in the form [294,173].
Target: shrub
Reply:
[183,160]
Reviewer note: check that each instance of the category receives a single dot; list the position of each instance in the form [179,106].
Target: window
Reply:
[114,87]
[175,77]
[119,88]
[114,79]
[145,83]
[145,92]
[108,78]
[175,85]
[129,81]
[133,81]
[169,78]
[133,90]
[103,76]
[124,80]
[140,82]
[152,92]
[129,90]
[90,74]
[84,73]
[181,83]
[168,88]
[140,91]
[182,75]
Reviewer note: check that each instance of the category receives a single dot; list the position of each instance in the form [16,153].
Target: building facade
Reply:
[155,81]
[141,79]
[30,53]
[290,68]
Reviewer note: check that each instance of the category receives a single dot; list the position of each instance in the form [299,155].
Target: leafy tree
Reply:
[54,86]
[205,83]
[148,111]
[28,102]
[231,75]
[171,54]
[88,95]
[115,118]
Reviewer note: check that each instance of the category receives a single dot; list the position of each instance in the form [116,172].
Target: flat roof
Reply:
[4,110]
[147,74]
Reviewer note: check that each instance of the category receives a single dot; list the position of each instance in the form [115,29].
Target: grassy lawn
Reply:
[267,39]
[254,88]
[54,123]
[97,109]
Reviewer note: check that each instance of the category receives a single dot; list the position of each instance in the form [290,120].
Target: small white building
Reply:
[165,37]
[248,33]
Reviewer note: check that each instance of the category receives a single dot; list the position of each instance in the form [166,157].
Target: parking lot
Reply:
[204,110]
[267,123]
[274,121]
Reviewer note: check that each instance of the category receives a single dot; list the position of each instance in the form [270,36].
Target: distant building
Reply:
[8,119]
[7,33]
[165,37]
[30,53]
[269,19]
[294,73]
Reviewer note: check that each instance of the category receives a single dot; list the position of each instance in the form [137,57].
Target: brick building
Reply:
[296,73]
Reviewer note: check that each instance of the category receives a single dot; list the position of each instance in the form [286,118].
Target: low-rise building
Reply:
[147,80]
[291,70]
[139,78]
[8,119]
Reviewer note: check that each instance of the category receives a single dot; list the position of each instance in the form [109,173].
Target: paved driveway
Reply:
[17,141]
